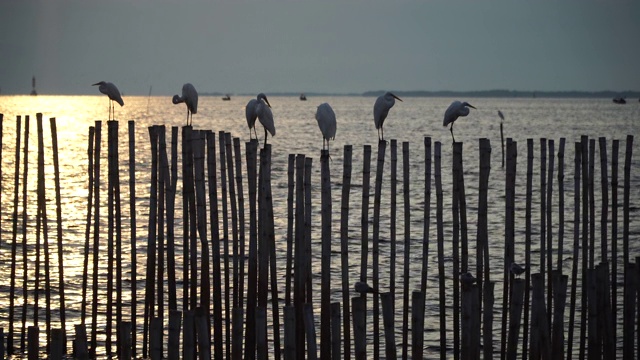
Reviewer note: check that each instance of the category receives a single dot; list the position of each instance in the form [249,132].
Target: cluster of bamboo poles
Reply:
[218,313]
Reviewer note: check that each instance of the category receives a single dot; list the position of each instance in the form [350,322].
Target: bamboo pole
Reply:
[171,203]
[241,221]
[605,323]
[336,354]
[549,213]
[576,246]
[482,237]
[543,213]
[233,204]
[167,192]
[407,249]
[592,204]
[604,193]
[261,332]
[440,238]
[250,331]
[14,240]
[275,307]
[96,236]
[594,346]
[527,249]
[290,234]
[382,145]
[187,158]
[487,320]
[149,300]
[132,227]
[560,204]
[364,217]
[614,234]
[289,331]
[203,310]
[118,242]
[515,312]
[225,241]
[426,219]
[393,211]
[112,139]
[584,142]
[540,342]
[509,232]
[299,285]
[417,325]
[455,203]
[559,302]
[625,202]
[359,307]
[124,328]
[387,315]
[215,246]
[312,353]
[173,348]
[308,165]
[344,248]
[325,266]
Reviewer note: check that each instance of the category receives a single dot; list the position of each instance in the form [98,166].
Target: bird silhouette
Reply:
[381,109]
[516,269]
[190,98]
[261,109]
[327,122]
[364,288]
[467,279]
[113,93]
[455,110]
[501,115]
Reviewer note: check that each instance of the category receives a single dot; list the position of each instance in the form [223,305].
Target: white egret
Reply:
[516,269]
[251,113]
[455,110]
[190,98]
[327,122]
[364,288]
[381,109]
[112,92]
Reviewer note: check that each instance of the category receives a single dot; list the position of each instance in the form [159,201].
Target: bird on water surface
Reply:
[327,122]
[261,109]
[112,92]
[455,110]
[190,98]
[364,288]
[381,109]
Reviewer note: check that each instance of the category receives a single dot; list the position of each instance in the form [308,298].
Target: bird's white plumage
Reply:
[455,110]
[265,116]
[189,97]
[250,112]
[326,121]
[259,108]
[381,108]
[112,92]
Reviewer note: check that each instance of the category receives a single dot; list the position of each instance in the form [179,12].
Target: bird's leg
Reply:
[265,137]
[255,132]
[451,130]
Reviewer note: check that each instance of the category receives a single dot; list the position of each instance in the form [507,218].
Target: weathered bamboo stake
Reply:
[440,239]
[382,145]
[14,239]
[455,203]
[172,185]
[149,300]
[164,184]
[225,241]
[364,217]
[188,339]
[584,142]
[56,172]
[42,220]
[344,249]
[559,302]
[202,314]
[132,227]
[299,284]
[594,346]
[487,320]
[625,204]
[464,238]
[482,237]
[124,329]
[263,249]
[310,330]
[289,331]
[308,165]
[270,237]
[629,308]
[543,214]
[118,231]
[112,138]
[592,204]
[527,248]
[96,235]
[34,343]
[509,249]
[1,132]
[426,220]
[417,325]
[407,249]
[359,311]
[336,341]
[186,158]
[540,342]
[228,142]
[576,246]
[604,193]
[2,348]
[614,235]
[173,348]
[470,322]
[236,336]
[325,266]
[605,322]
[387,316]
[155,341]
[190,193]
[80,351]
[261,333]
[549,213]
[393,211]
[250,331]
[502,142]
[560,204]
[202,328]
[290,235]
[215,245]
[241,222]
[515,312]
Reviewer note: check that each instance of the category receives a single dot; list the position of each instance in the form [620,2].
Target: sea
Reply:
[410,120]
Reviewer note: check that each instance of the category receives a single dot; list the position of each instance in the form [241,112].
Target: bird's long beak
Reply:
[267,101]
[471,106]
[95,84]
[396,97]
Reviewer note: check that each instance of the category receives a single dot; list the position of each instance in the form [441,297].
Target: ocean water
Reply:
[297,133]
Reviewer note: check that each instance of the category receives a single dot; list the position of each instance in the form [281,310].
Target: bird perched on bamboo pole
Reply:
[454,111]
[364,288]
[381,109]
[190,98]
[113,93]
[261,109]
[327,122]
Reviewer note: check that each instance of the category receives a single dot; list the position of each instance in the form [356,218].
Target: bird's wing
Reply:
[452,113]
[250,111]
[265,116]
[380,111]
[326,121]
[113,93]
[190,95]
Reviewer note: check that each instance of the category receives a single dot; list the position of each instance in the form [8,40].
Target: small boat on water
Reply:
[303,97]
[226,97]
[619,100]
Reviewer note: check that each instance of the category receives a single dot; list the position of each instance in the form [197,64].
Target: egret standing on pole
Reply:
[381,109]
[455,110]
[190,98]
[112,92]
[327,122]
[251,113]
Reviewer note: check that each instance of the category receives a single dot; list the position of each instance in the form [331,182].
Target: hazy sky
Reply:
[334,46]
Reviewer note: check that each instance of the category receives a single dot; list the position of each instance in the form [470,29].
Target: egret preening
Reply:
[190,98]
[516,269]
[455,110]
[381,109]
[112,92]
[251,113]
[364,288]
[261,109]
[327,123]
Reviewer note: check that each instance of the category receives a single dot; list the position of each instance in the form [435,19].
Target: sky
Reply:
[328,46]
